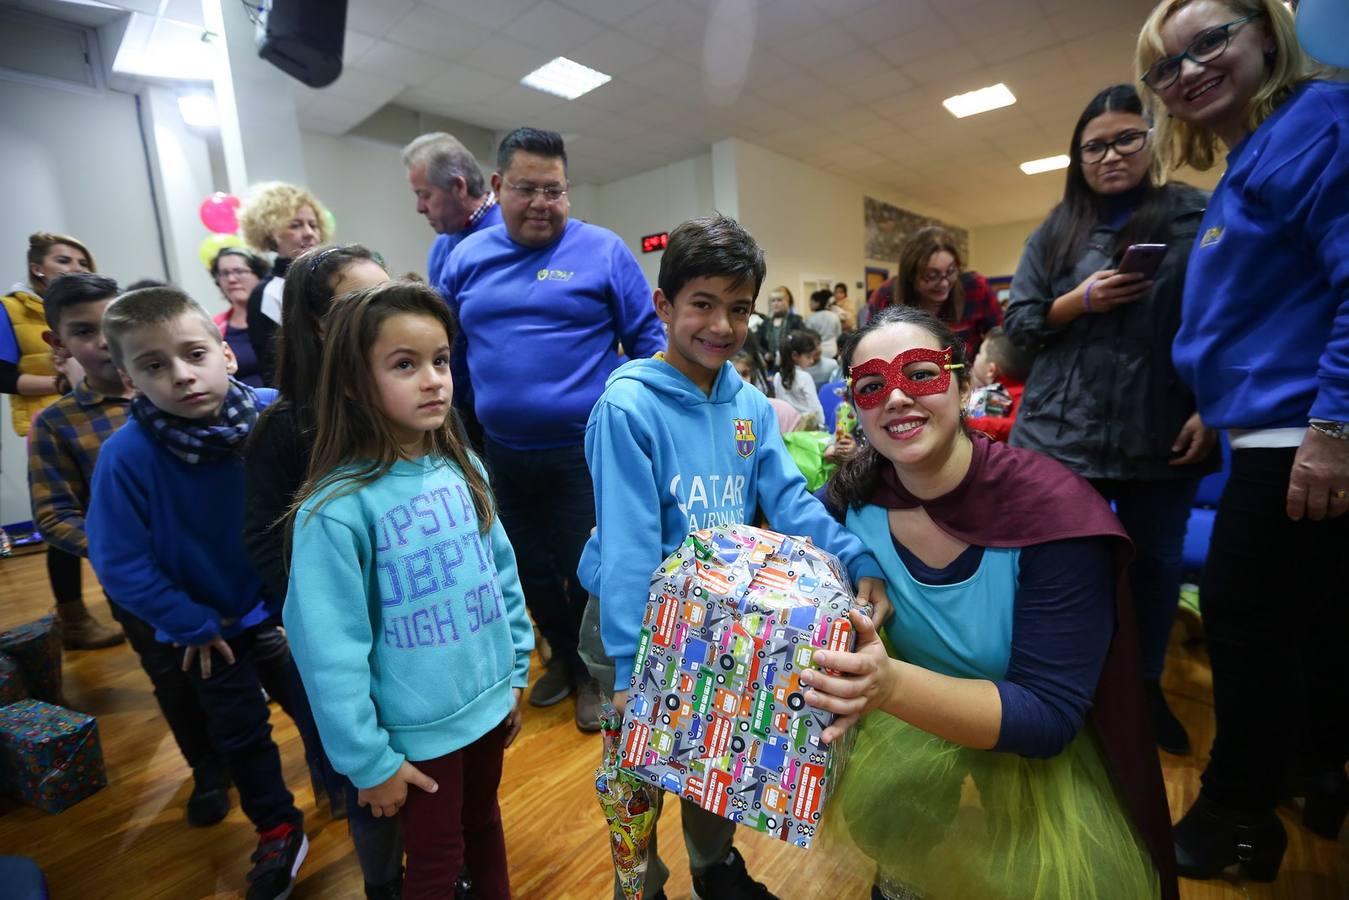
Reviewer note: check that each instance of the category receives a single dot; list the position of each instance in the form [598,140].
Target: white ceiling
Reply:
[850,86]
[853,87]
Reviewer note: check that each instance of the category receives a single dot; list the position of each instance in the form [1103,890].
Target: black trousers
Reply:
[1275,601]
[237,717]
[163,665]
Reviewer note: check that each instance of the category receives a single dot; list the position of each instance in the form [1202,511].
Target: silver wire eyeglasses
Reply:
[551,193]
[1207,46]
[1126,144]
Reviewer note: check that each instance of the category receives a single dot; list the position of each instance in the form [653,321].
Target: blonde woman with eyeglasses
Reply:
[1264,345]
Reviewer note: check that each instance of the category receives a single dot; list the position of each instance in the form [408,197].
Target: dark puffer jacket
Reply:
[1103,397]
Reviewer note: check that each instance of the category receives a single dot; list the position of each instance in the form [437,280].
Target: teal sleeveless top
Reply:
[963,630]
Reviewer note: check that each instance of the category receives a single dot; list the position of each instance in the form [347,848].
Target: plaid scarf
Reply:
[194,442]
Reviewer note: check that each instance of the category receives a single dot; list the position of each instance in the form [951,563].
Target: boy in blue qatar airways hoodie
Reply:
[678,443]
[165,531]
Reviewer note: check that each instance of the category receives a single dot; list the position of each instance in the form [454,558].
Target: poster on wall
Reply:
[888,227]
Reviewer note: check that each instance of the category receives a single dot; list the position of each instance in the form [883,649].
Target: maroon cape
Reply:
[1015,498]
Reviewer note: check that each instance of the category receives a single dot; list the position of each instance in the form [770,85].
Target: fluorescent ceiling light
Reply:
[198,110]
[565,78]
[992,97]
[1048,164]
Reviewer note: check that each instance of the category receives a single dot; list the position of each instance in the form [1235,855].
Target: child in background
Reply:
[749,364]
[662,431]
[276,459]
[825,321]
[64,444]
[165,526]
[999,374]
[404,608]
[800,350]
[772,331]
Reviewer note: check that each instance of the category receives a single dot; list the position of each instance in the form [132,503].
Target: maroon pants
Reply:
[458,828]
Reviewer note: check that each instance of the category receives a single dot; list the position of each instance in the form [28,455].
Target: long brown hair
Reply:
[299,343]
[354,444]
[856,479]
[918,249]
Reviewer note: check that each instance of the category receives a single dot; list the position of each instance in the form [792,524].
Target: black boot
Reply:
[1326,801]
[1166,728]
[1209,838]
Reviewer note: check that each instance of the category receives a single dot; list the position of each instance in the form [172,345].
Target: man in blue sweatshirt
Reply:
[679,443]
[544,304]
[451,193]
[165,526]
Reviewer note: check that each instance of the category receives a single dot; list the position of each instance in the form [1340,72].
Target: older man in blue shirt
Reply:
[544,305]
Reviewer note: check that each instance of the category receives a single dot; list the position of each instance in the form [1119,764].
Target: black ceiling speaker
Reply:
[303,38]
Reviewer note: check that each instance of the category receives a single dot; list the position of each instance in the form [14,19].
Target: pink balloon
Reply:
[218,215]
[233,201]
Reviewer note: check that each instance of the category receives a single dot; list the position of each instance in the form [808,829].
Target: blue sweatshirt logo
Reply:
[744,437]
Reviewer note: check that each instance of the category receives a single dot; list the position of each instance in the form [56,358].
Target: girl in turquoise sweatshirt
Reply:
[404,610]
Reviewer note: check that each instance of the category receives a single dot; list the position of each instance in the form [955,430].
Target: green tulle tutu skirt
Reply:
[942,821]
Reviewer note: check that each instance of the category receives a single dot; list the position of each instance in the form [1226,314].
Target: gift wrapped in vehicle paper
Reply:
[50,757]
[716,712]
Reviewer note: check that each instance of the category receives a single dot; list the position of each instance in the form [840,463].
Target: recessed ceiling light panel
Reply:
[565,78]
[1048,164]
[993,97]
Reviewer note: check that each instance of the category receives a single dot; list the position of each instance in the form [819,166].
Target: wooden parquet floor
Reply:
[130,840]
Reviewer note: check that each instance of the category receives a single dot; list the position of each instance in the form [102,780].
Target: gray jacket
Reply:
[1103,397]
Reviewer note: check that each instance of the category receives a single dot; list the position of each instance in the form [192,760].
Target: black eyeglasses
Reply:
[1126,144]
[1207,46]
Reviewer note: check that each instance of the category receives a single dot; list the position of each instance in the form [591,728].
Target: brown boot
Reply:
[81,631]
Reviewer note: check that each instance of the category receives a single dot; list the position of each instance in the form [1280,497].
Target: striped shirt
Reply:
[64,444]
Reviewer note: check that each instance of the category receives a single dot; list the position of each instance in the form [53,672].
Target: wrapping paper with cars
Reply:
[716,712]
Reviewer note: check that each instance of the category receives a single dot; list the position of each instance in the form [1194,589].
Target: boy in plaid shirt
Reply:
[65,440]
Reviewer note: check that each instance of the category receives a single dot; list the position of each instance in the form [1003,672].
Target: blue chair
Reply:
[831,394]
[1199,531]
[22,878]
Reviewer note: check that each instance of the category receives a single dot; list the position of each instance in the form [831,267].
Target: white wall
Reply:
[364,184]
[649,203]
[810,222]
[996,249]
[73,164]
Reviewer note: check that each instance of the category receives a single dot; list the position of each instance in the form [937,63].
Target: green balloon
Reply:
[213,244]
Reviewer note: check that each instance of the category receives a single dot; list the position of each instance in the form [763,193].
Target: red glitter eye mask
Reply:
[891,374]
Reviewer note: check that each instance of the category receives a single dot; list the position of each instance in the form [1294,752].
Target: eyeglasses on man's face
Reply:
[551,193]
[1207,46]
[1126,144]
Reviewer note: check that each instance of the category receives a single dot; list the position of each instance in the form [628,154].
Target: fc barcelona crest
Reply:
[744,437]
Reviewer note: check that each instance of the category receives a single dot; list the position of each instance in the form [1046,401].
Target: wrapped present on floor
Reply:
[12,686]
[716,712]
[50,757]
[36,647]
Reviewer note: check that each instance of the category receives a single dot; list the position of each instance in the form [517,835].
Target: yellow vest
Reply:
[29,318]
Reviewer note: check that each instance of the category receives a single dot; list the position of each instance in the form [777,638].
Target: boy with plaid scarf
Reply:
[165,527]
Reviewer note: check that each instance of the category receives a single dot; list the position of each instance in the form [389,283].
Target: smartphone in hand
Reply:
[1143,259]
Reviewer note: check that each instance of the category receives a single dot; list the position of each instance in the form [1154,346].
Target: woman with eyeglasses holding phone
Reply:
[932,278]
[1264,345]
[1102,397]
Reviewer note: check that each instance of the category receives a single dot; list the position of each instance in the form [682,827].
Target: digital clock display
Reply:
[653,242]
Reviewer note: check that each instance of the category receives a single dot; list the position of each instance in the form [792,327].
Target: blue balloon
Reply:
[1323,29]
